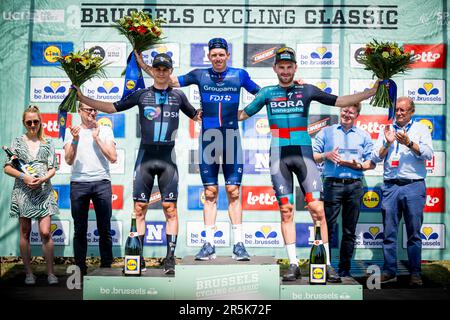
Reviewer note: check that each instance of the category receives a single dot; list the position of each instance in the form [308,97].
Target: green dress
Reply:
[40,202]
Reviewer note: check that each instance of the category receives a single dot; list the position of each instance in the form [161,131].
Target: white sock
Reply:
[237,232]
[292,254]
[209,230]
[327,250]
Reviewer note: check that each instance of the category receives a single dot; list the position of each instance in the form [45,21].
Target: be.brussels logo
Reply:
[50,124]
[436,166]
[110,90]
[155,233]
[361,85]
[318,55]
[427,55]
[305,235]
[369,236]
[435,200]
[196,198]
[428,91]
[256,127]
[259,198]
[374,125]
[435,124]
[171,49]
[262,234]
[196,234]
[62,194]
[93,234]
[48,53]
[318,122]
[260,54]
[371,199]
[115,121]
[113,53]
[48,89]
[59,231]
[199,55]
[432,236]
[256,162]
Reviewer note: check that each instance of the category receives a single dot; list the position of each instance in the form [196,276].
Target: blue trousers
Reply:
[407,201]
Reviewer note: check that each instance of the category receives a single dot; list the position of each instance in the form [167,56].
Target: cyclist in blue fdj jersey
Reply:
[220,143]
[291,152]
[159,108]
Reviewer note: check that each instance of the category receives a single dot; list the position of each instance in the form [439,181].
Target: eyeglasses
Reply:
[286,49]
[30,122]
[89,110]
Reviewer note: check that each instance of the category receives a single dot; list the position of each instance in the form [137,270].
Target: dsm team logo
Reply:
[425,91]
[318,55]
[48,53]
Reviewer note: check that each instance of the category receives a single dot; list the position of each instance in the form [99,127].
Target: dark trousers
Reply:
[100,192]
[338,195]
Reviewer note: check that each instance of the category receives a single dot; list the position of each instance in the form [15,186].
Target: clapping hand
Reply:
[402,137]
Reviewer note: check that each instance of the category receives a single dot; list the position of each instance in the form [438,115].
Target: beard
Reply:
[285,80]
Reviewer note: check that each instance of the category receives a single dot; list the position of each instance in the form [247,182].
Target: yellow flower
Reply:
[385,54]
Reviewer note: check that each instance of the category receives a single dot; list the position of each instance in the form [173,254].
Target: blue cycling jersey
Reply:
[219,94]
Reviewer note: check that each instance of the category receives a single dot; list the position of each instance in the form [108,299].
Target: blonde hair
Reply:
[35,109]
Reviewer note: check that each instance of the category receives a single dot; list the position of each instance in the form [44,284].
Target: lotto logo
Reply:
[435,200]
[427,55]
[372,124]
[259,198]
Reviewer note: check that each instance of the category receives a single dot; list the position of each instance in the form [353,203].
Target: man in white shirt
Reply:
[89,148]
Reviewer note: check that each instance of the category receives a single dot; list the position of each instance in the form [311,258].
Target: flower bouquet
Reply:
[79,67]
[142,32]
[385,59]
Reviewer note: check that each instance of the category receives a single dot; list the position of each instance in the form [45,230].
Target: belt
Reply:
[402,182]
[343,180]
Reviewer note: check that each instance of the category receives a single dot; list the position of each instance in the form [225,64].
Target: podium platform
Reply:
[219,279]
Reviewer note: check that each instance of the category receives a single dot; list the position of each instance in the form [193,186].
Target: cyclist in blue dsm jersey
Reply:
[291,152]
[220,145]
[159,108]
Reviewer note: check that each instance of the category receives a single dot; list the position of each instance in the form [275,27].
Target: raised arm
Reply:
[102,106]
[352,99]
[149,70]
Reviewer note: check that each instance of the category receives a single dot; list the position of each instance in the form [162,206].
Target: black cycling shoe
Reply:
[293,273]
[169,265]
[332,275]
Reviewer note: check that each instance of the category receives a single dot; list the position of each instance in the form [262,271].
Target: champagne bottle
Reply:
[133,249]
[318,259]
[19,164]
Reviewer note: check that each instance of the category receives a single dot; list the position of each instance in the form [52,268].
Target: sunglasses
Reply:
[89,110]
[286,49]
[30,122]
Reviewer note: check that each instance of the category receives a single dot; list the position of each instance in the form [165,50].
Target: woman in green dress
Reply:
[33,196]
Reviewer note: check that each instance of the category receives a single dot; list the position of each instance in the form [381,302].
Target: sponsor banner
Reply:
[374,125]
[369,236]
[47,53]
[116,121]
[49,89]
[155,199]
[93,237]
[115,168]
[432,235]
[196,235]
[196,198]
[109,90]
[436,166]
[256,162]
[50,124]
[435,201]
[425,91]
[155,233]
[171,49]
[361,85]
[256,127]
[113,53]
[260,55]
[318,55]
[330,86]
[427,55]
[59,229]
[317,122]
[356,53]
[436,125]
[194,129]
[194,95]
[259,198]
[262,234]
[247,97]
[62,194]
[199,55]
[305,235]
[371,200]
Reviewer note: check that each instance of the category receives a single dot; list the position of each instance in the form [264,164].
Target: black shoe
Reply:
[169,265]
[388,278]
[293,273]
[143,268]
[345,274]
[332,275]
[415,280]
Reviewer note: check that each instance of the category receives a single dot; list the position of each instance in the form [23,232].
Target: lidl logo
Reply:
[429,91]
[48,53]
[435,124]
[317,273]
[262,126]
[132,264]
[371,199]
[256,127]
[59,231]
[313,55]
[155,233]
[369,235]
[116,121]
[321,53]
[130,84]
[432,236]
[195,231]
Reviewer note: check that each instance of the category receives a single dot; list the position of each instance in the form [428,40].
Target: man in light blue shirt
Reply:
[404,148]
[345,151]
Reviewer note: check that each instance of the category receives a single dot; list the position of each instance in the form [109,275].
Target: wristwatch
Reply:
[410,144]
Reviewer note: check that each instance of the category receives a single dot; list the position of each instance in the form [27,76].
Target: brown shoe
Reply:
[415,280]
[388,278]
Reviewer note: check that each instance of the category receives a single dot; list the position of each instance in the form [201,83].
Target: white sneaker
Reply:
[30,279]
[52,279]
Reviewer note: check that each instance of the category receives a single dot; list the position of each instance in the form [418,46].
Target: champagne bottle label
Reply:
[317,242]
[318,273]
[132,265]
[133,234]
